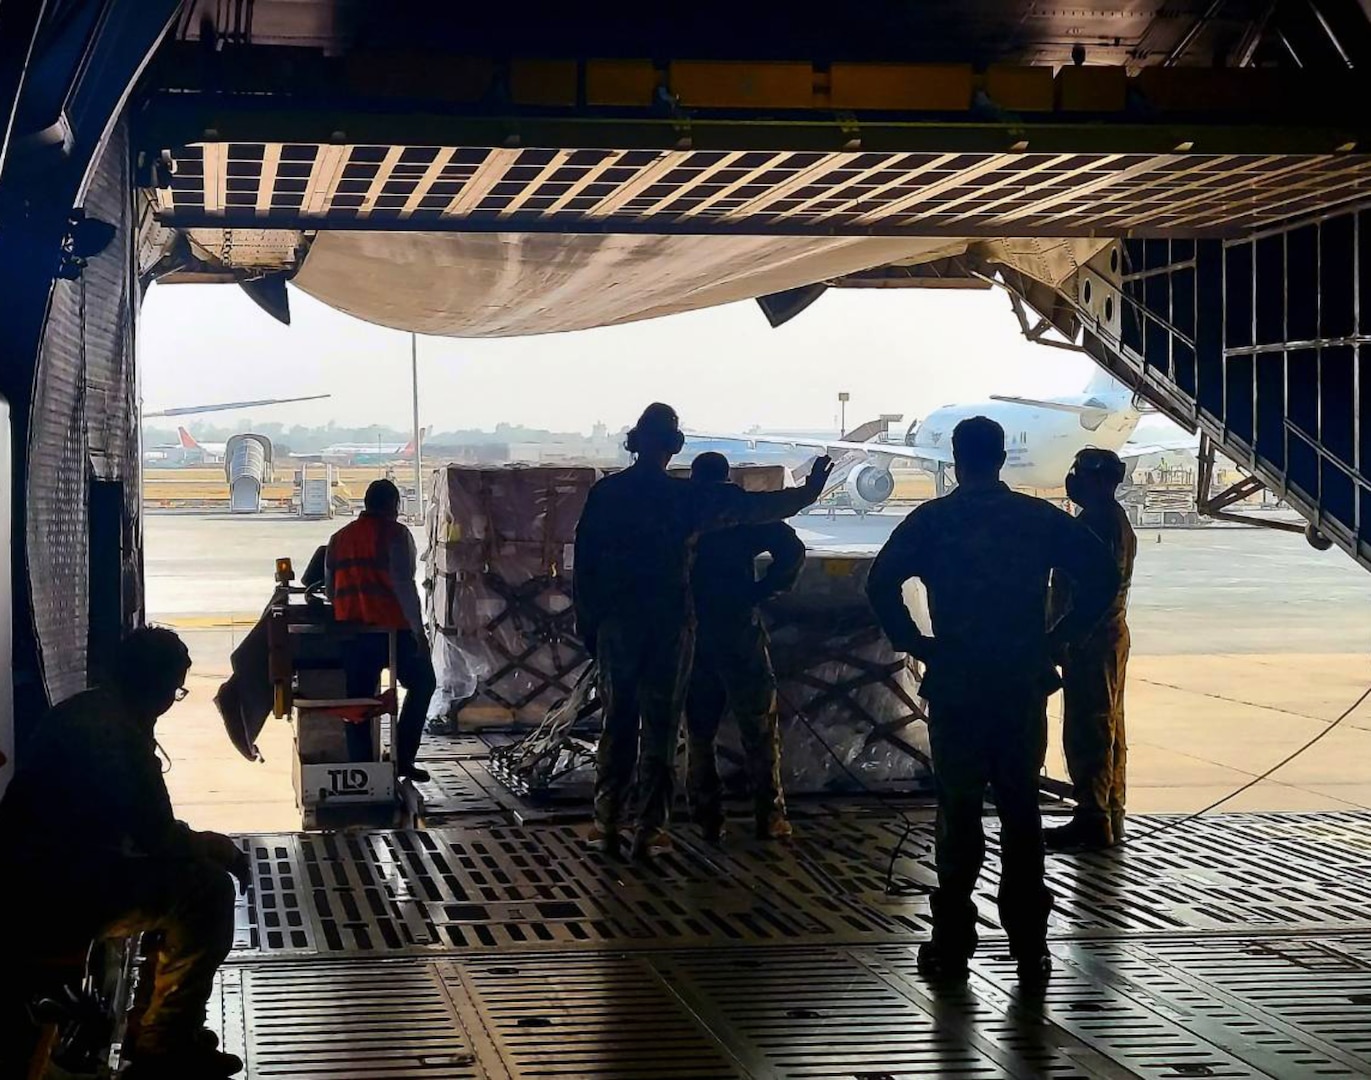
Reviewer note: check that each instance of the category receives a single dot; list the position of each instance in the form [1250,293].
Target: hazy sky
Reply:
[905,351]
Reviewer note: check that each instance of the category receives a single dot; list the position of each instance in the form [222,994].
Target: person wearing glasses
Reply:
[87,827]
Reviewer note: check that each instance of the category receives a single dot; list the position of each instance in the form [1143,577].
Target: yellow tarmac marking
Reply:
[208,622]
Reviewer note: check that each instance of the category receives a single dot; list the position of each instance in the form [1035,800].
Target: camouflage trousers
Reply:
[733,673]
[1093,726]
[643,671]
[1003,743]
[188,902]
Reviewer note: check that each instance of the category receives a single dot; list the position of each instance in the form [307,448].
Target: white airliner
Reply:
[1042,435]
[365,453]
[1042,438]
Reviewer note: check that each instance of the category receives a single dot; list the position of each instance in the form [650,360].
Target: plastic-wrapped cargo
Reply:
[500,563]
[748,477]
[850,713]
[500,567]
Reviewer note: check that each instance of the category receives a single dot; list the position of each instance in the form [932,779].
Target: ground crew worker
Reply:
[733,663]
[634,547]
[1093,669]
[984,554]
[87,826]
[370,570]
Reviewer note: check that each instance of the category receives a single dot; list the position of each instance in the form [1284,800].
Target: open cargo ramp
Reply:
[1234,947]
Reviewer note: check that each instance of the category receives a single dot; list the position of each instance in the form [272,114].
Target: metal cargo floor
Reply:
[1232,947]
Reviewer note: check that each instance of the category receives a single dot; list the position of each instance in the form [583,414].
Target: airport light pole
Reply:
[843,398]
[418,434]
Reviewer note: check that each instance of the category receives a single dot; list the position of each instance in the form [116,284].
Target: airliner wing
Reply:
[1159,446]
[226,406]
[838,447]
[1059,406]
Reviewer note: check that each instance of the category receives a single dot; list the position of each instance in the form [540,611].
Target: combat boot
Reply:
[943,966]
[652,844]
[606,839]
[714,831]
[199,1059]
[1080,834]
[1034,971]
[775,826]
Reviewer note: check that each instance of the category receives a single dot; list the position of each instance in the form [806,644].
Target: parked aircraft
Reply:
[186,450]
[365,453]
[1042,437]
[198,452]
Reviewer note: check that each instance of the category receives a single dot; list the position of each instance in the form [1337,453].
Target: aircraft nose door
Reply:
[6,599]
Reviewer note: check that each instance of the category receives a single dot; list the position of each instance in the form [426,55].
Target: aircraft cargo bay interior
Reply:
[571,542]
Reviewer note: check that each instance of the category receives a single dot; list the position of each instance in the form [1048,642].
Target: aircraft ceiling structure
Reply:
[414,173]
[1199,33]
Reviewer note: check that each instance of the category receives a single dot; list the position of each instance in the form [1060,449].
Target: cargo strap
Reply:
[540,629]
[822,643]
[563,743]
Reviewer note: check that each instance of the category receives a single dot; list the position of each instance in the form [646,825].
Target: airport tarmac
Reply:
[1246,643]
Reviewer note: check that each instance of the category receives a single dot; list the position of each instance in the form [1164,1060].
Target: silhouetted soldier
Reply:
[984,554]
[1093,668]
[634,547]
[733,663]
[90,848]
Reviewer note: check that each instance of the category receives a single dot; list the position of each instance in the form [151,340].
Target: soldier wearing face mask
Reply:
[1093,668]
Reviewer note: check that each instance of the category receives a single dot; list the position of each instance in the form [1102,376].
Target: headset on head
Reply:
[633,446]
[1103,463]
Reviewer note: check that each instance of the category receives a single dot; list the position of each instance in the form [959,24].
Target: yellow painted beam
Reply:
[740,85]
[1020,89]
[1092,89]
[890,87]
[621,82]
[543,82]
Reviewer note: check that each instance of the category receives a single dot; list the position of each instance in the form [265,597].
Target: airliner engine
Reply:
[869,486]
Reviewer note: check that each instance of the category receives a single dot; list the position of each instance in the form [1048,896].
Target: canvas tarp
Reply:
[494,284]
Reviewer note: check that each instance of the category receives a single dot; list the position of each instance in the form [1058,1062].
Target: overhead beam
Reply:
[431,175]
[487,175]
[385,169]
[532,187]
[215,164]
[271,163]
[323,178]
[629,191]
[168,122]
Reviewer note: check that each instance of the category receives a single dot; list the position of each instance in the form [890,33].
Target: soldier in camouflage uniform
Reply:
[1093,668]
[733,663]
[984,554]
[635,544]
[87,824]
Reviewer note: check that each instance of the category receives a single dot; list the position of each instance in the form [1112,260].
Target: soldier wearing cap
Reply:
[635,546]
[1093,668]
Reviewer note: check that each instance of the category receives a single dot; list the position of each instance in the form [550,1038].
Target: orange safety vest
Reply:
[363,590]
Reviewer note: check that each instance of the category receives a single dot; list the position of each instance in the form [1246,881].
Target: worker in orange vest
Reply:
[370,569]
